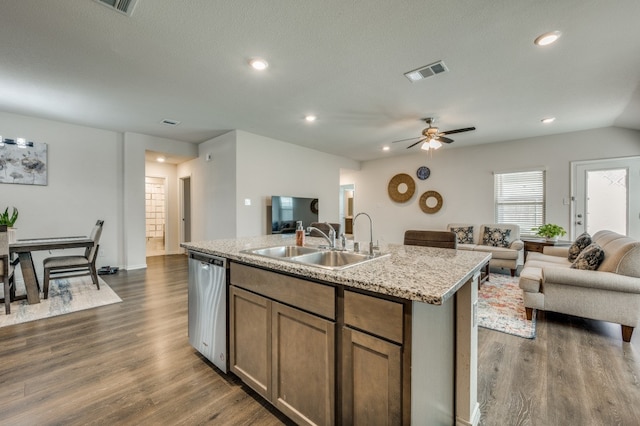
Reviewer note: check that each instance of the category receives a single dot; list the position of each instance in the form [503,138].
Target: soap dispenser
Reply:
[299,233]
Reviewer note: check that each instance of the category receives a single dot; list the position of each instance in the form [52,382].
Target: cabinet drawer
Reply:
[312,297]
[381,317]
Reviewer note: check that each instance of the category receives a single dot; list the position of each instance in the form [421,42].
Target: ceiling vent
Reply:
[170,122]
[122,6]
[426,71]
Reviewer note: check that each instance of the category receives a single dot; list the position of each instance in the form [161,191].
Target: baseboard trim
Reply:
[132,267]
[475,418]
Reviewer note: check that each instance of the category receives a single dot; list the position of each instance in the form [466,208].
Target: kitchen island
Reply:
[393,339]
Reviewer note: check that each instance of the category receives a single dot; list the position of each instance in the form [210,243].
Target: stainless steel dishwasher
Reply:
[208,307]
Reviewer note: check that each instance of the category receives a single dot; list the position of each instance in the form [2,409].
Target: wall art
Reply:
[23,165]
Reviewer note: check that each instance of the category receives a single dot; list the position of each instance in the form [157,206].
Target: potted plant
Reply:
[9,220]
[550,231]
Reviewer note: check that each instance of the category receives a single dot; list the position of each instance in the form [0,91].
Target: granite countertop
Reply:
[424,274]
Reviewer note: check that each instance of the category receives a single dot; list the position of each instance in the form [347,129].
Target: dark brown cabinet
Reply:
[285,354]
[303,365]
[283,344]
[249,338]
[371,380]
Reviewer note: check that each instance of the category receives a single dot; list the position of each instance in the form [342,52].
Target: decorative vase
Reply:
[553,239]
[11,235]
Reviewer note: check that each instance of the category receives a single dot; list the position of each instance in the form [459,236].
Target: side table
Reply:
[538,244]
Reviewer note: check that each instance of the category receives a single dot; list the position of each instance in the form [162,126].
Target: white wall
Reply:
[248,166]
[172,218]
[135,146]
[269,167]
[464,178]
[92,174]
[84,185]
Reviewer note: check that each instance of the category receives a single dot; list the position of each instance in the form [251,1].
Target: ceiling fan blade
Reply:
[414,144]
[450,132]
[444,139]
[408,139]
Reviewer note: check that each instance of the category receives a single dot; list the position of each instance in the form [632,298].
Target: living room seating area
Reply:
[597,277]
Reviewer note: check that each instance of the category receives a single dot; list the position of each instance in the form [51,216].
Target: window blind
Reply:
[520,199]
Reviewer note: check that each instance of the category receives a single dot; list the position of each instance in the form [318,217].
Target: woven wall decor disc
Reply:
[423,202]
[395,182]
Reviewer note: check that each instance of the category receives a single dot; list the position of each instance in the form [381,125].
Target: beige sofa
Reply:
[610,293]
[509,257]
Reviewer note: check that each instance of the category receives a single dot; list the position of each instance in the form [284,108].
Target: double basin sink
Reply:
[311,256]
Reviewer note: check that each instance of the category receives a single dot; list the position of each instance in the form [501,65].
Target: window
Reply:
[520,199]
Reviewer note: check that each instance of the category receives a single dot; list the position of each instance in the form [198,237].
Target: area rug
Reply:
[65,295]
[501,307]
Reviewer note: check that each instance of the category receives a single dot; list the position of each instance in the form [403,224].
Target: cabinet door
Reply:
[249,339]
[303,365]
[371,380]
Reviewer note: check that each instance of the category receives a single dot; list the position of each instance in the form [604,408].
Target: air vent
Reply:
[426,71]
[170,122]
[122,6]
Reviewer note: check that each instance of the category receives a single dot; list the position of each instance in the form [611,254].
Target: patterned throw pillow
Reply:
[581,243]
[496,237]
[464,233]
[589,258]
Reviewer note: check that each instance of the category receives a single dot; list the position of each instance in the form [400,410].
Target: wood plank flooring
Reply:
[131,363]
[128,363]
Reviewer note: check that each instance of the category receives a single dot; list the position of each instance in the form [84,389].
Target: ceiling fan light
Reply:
[435,144]
[425,146]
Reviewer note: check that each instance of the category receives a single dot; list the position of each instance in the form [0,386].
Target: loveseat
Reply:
[502,240]
[609,293]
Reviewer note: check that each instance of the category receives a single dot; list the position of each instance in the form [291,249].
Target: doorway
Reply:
[606,196]
[155,215]
[347,193]
[185,209]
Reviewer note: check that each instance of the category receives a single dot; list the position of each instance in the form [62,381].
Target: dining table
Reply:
[21,250]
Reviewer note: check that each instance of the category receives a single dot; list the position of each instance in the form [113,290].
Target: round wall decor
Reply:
[423,172]
[314,206]
[423,202]
[395,182]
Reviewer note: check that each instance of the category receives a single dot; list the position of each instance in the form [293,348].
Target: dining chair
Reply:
[6,270]
[74,266]
[442,239]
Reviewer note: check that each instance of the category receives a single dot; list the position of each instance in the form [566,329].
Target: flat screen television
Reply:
[286,211]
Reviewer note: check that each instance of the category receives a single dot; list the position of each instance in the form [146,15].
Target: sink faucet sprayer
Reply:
[331,238]
[371,246]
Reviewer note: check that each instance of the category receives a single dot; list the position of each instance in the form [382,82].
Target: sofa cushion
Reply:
[589,258]
[621,253]
[464,234]
[496,237]
[498,252]
[581,243]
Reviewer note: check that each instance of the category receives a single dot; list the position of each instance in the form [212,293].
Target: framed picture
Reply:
[24,163]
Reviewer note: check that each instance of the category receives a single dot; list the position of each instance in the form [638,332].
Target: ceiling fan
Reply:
[432,138]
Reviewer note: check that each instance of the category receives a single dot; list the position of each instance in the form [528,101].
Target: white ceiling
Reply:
[343,60]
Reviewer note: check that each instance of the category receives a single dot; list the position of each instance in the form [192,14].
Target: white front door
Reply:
[606,196]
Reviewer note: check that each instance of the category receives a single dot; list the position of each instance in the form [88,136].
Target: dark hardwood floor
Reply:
[131,363]
[128,363]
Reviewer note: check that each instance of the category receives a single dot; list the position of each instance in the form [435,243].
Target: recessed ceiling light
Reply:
[258,64]
[160,159]
[548,120]
[547,38]
[310,118]
[385,148]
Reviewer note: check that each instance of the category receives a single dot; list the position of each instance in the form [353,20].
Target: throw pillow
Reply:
[496,237]
[464,233]
[589,258]
[581,243]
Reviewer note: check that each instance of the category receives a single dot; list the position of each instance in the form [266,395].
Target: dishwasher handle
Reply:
[208,260]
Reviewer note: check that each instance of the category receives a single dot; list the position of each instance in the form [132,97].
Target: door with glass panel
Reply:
[607,196]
